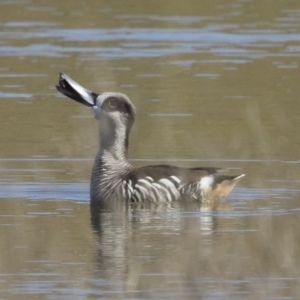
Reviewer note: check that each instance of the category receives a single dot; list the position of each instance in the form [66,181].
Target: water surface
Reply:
[215,84]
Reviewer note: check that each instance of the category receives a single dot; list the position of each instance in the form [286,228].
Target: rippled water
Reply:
[215,84]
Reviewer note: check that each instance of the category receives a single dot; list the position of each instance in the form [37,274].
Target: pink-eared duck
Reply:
[115,179]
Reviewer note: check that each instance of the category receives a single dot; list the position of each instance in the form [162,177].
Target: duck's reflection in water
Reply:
[145,244]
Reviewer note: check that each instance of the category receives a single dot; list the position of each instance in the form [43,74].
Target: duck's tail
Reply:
[215,187]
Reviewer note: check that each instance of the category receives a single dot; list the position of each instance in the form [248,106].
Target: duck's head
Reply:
[115,111]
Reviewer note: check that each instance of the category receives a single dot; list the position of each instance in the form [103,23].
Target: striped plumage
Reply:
[114,179]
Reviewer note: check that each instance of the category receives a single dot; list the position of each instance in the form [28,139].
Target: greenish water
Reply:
[215,84]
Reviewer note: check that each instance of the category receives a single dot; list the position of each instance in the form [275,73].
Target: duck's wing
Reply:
[155,183]
[161,182]
[159,172]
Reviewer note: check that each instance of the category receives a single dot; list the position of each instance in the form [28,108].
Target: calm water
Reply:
[215,83]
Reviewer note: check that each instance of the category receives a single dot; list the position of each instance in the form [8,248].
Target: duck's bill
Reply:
[73,90]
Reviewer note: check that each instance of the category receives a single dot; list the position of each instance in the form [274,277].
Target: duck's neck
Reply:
[114,147]
[111,165]
[111,160]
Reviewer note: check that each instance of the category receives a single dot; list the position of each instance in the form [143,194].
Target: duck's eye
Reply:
[113,103]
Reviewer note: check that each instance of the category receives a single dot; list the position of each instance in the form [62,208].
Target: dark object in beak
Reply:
[73,90]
